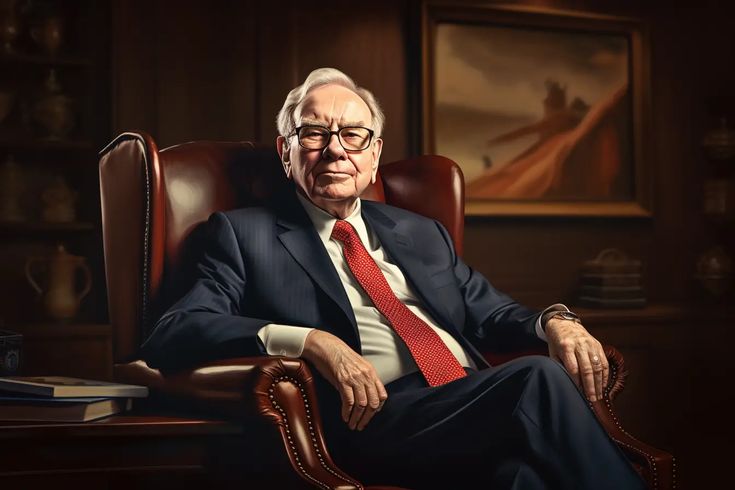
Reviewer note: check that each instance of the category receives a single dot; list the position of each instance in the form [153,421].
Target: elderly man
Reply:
[376,299]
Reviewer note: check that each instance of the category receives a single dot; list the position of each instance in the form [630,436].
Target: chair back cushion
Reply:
[154,203]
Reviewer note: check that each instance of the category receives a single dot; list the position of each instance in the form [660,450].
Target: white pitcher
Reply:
[61,299]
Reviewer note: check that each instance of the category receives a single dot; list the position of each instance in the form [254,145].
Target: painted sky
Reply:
[490,80]
[500,69]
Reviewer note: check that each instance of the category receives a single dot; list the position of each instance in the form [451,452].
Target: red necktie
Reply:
[433,357]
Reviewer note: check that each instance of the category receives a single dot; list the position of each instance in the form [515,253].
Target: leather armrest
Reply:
[279,390]
[658,467]
[223,385]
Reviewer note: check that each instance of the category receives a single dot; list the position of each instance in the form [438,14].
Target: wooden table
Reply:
[122,451]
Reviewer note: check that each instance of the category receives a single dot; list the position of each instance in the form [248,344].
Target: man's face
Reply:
[331,178]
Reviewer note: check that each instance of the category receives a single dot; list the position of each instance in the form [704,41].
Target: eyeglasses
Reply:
[352,138]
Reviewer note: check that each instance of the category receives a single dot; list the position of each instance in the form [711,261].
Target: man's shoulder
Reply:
[245,221]
[425,233]
[282,205]
[395,213]
[257,213]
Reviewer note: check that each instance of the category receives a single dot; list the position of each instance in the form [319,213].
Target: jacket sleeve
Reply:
[207,322]
[494,320]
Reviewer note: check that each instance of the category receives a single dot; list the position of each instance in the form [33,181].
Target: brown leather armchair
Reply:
[152,205]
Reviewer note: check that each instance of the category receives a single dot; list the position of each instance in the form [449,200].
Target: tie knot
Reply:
[342,230]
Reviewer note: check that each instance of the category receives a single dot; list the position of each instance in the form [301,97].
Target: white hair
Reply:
[320,77]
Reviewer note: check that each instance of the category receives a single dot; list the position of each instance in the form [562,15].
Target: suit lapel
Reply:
[401,249]
[297,234]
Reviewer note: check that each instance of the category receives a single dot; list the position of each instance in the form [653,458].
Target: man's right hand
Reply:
[362,393]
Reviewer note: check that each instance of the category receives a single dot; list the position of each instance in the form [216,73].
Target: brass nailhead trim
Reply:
[322,462]
[146,238]
[649,458]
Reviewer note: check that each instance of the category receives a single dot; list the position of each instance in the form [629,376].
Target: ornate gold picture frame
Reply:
[544,110]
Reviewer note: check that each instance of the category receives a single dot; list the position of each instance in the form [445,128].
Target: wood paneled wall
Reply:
[185,70]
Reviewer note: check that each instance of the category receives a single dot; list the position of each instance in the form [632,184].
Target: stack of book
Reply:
[612,280]
[63,399]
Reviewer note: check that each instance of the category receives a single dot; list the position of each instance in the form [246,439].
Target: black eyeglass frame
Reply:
[335,132]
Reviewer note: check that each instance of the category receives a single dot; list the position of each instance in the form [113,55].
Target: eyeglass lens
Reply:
[351,138]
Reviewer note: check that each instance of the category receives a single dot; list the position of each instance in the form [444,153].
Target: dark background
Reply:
[188,70]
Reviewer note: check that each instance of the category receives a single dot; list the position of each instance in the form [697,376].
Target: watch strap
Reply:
[557,310]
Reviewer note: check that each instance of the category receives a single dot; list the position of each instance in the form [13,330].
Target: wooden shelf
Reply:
[30,228]
[652,313]
[51,329]
[122,448]
[134,423]
[44,60]
[82,72]
[39,144]
[655,313]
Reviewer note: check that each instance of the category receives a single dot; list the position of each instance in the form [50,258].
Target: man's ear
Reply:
[284,151]
[376,150]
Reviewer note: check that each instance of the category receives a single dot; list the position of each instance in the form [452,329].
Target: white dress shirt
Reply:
[381,346]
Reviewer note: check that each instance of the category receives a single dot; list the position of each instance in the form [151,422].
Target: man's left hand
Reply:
[580,353]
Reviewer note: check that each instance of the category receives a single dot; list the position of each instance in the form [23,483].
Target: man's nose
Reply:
[334,148]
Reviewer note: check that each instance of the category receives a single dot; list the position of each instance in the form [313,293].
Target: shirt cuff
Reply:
[540,332]
[283,340]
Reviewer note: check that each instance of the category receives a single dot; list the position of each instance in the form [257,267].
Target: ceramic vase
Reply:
[54,110]
[61,298]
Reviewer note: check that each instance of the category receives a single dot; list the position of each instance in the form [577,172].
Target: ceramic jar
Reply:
[719,143]
[60,299]
[714,271]
[54,110]
[48,34]
[58,202]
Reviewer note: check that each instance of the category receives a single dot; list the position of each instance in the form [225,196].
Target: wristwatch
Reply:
[563,314]
[566,315]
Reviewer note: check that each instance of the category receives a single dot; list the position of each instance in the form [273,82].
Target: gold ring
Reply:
[595,359]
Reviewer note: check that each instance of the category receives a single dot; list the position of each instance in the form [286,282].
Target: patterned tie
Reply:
[433,357]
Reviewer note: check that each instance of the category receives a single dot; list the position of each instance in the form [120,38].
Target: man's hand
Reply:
[362,393]
[581,354]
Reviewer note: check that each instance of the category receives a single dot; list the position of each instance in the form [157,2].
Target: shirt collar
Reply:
[324,222]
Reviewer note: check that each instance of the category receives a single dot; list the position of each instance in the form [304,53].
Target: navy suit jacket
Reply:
[268,265]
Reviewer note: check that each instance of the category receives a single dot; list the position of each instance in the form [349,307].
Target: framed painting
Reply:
[544,111]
